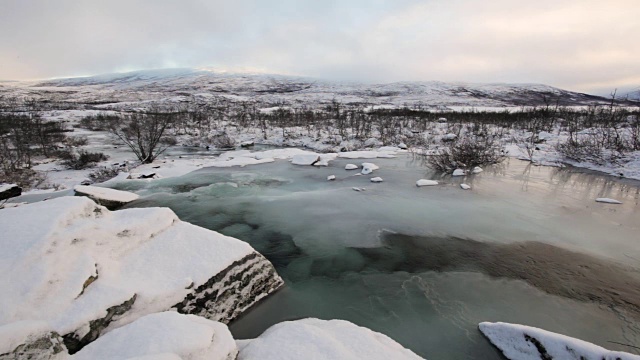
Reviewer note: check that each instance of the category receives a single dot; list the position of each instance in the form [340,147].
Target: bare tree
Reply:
[144,133]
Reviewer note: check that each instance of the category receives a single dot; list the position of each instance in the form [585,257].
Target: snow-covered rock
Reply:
[376,179]
[465,187]
[31,340]
[351,167]
[84,270]
[458,172]
[109,198]
[608,201]
[322,339]
[331,177]
[358,189]
[425,182]
[519,342]
[368,168]
[449,137]
[164,334]
[325,158]
[477,170]
[403,146]
[9,190]
[305,159]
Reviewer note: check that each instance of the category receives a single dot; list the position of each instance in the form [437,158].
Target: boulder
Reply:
[9,190]
[331,177]
[376,179]
[465,187]
[351,167]
[109,198]
[85,270]
[368,168]
[458,172]
[425,182]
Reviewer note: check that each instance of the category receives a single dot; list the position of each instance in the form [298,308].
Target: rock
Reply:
[148,175]
[368,168]
[331,177]
[30,340]
[449,137]
[351,167]
[98,270]
[442,120]
[322,339]
[86,182]
[246,144]
[305,159]
[465,186]
[9,190]
[358,189]
[372,142]
[161,334]
[477,170]
[608,201]
[458,172]
[376,179]
[403,146]
[109,198]
[425,182]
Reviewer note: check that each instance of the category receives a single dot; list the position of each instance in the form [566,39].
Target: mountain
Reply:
[193,85]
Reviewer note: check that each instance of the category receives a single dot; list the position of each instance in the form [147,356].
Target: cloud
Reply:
[582,45]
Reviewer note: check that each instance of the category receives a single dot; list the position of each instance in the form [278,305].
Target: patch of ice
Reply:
[100,193]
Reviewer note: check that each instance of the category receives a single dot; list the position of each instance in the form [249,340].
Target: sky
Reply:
[581,45]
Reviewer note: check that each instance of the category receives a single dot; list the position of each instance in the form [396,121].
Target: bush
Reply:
[467,153]
[103,174]
[77,141]
[83,160]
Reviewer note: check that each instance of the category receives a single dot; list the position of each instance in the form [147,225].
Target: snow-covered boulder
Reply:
[458,172]
[351,167]
[465,187]
[331,177]
[477,170]
[162,335]
[403,146]
[425,182]
[30,340]
[368,168]
[109,198]
[519,342]
[322,339]
[84,270]
[325,158]
[449,137]
[376,179]
[608,201]
[305,159]
[9,190]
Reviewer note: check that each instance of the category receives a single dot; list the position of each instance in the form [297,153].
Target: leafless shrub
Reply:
[467,153]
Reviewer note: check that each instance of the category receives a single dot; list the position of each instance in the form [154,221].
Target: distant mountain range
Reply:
[191,85]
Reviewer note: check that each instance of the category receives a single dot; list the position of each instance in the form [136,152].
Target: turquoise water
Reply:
[425,265]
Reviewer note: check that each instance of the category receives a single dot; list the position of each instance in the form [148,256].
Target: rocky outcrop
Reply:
[8,191]
[86,271]
[45,347]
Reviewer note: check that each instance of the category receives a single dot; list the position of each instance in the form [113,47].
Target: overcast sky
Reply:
[582,45]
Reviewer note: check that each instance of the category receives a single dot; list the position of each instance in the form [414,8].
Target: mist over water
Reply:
[425,265]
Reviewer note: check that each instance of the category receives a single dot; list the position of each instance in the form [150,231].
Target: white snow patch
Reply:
[425,182]
[322,339]
[163,335]
[515,342]
[100,193]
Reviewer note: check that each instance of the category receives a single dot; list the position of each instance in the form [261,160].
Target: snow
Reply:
[477,170]
[316,339]
[608,201]
[101,193]
[376,179]
[425,182]
[5,187]
[368,168]
[325,158]
[458,172]
[17,333]
[331,177]
[450,137]
[351,167]
[52,248]
[366,154]
[163,334]
[517,342]
[465,187]
[305,159]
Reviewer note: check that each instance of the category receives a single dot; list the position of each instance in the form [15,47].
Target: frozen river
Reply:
[526,245]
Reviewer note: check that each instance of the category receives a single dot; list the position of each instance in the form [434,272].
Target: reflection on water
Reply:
[425,265]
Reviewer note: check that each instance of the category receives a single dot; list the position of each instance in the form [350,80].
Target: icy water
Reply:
[425,265]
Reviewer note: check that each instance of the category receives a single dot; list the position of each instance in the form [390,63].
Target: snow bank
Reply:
[366,154]
[105,196]
[69,262]
[519,342]
[425,182]
[305,159]
[368,168]
[321,339]
[164,334]
[608,201]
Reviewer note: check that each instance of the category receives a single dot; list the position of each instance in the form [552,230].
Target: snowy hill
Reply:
[181,85]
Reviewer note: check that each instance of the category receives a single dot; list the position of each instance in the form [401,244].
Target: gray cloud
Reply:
[583,45]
